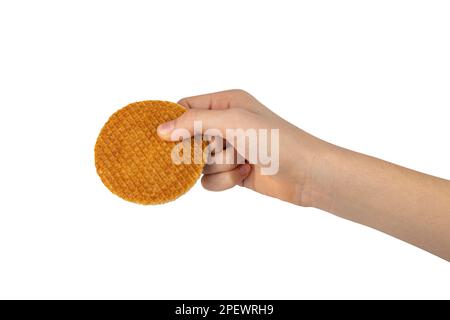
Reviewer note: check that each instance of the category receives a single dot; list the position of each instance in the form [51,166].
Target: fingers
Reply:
[226,180]
[217,168]
[216,144]
[222,161]
[218,100]
[204,121]
[185,125]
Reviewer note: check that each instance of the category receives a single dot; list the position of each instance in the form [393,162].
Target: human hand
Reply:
[292,154]
[409,205]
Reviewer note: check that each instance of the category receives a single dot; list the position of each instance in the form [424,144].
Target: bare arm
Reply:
[406,204]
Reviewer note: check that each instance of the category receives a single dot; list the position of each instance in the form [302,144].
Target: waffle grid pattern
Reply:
[134,163]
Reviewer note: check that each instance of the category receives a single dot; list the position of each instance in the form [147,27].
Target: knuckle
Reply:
[240,92]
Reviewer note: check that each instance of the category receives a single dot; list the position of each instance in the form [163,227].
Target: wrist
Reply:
[318,181]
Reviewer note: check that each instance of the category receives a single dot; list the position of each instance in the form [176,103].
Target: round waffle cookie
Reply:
[135,163]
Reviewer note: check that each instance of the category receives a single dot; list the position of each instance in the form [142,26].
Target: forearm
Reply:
[409,205]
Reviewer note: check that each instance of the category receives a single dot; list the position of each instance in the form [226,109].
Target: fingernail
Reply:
[166,128]
[244,169]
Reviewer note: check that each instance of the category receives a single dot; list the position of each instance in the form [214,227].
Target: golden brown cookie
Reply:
[135,163]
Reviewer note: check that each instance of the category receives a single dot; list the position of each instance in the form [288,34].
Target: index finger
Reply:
[218,100]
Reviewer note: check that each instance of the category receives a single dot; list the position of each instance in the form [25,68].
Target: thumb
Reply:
[197,121]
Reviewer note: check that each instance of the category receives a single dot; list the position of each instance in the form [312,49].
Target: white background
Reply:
[373,76]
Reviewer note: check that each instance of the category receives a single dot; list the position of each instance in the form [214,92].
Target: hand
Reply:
[236,109]
[407,204]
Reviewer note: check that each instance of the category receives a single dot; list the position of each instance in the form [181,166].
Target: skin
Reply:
[406,204]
